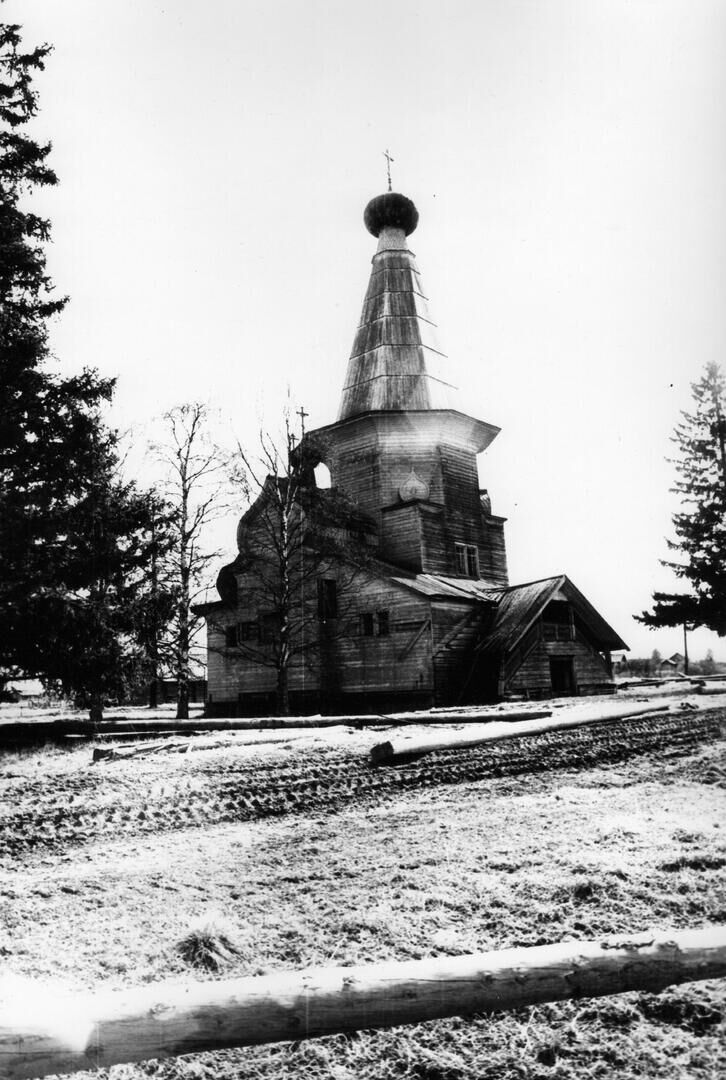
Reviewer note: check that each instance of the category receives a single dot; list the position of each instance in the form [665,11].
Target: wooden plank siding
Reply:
[233,675]
[533,676]
[456,629]
[344,666]
[374,454]
[493,554]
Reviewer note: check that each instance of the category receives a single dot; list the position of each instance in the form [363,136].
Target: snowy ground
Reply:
[676,694]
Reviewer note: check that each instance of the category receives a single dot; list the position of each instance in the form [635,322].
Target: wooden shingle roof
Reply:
[396,361]
[520,605]
[516,606]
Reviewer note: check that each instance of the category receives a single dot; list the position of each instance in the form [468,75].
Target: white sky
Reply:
[567,159]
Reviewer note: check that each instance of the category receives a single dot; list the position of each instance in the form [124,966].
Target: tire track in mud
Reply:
[71,813]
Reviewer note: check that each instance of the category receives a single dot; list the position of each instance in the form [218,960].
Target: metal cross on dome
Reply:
[389,159]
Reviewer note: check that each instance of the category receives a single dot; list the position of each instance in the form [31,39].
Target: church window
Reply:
[557,621]
[384,628]
[327,598]
[366,624]
[240,633]
[322,476]
[467,560]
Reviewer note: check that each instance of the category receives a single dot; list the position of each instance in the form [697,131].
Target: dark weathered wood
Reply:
[413,640]
[533,674]
[40,1034]
[465,622]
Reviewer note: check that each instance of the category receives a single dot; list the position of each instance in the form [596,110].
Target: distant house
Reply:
[19,690]
[669,666]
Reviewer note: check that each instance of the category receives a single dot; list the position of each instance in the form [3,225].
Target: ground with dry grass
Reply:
[574,852]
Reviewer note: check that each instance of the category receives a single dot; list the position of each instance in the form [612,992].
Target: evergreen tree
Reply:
[708,664]
[700,526]
[73,536]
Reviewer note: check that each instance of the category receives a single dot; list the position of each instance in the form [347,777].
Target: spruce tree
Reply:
[700,525]
[75,539]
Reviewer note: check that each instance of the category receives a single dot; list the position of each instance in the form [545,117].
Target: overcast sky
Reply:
[568,160]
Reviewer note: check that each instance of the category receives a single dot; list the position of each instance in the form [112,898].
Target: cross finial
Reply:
[389,159]
[302,414]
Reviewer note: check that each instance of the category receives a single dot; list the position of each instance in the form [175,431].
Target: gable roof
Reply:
[520,605]
[516,607]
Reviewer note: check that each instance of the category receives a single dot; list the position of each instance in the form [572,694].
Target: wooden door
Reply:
[562,674]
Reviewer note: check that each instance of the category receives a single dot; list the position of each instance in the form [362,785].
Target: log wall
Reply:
[233,677]
[346,667]
[456,629]
[493,555]
[533,677]
[397,662]
[371,457]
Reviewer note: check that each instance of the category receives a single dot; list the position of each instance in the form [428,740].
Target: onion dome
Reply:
[392,211]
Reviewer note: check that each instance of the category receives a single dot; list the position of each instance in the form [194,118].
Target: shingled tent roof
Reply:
[395,362]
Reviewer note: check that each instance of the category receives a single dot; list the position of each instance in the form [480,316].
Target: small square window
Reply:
[467,560]
[366,624]
[383,624]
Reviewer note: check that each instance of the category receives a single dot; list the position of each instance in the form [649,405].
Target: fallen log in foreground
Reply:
[28,733]
[38,1037]
[404,748]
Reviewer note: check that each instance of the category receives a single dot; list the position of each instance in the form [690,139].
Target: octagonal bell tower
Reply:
[402,447]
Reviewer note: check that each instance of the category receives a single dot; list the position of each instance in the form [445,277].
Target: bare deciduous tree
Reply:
[196,472]
[301,549]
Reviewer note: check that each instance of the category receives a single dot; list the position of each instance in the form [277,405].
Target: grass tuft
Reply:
[694,862]
[683,1010]
[210,944]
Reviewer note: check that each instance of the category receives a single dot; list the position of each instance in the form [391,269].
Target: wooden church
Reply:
[427,617]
